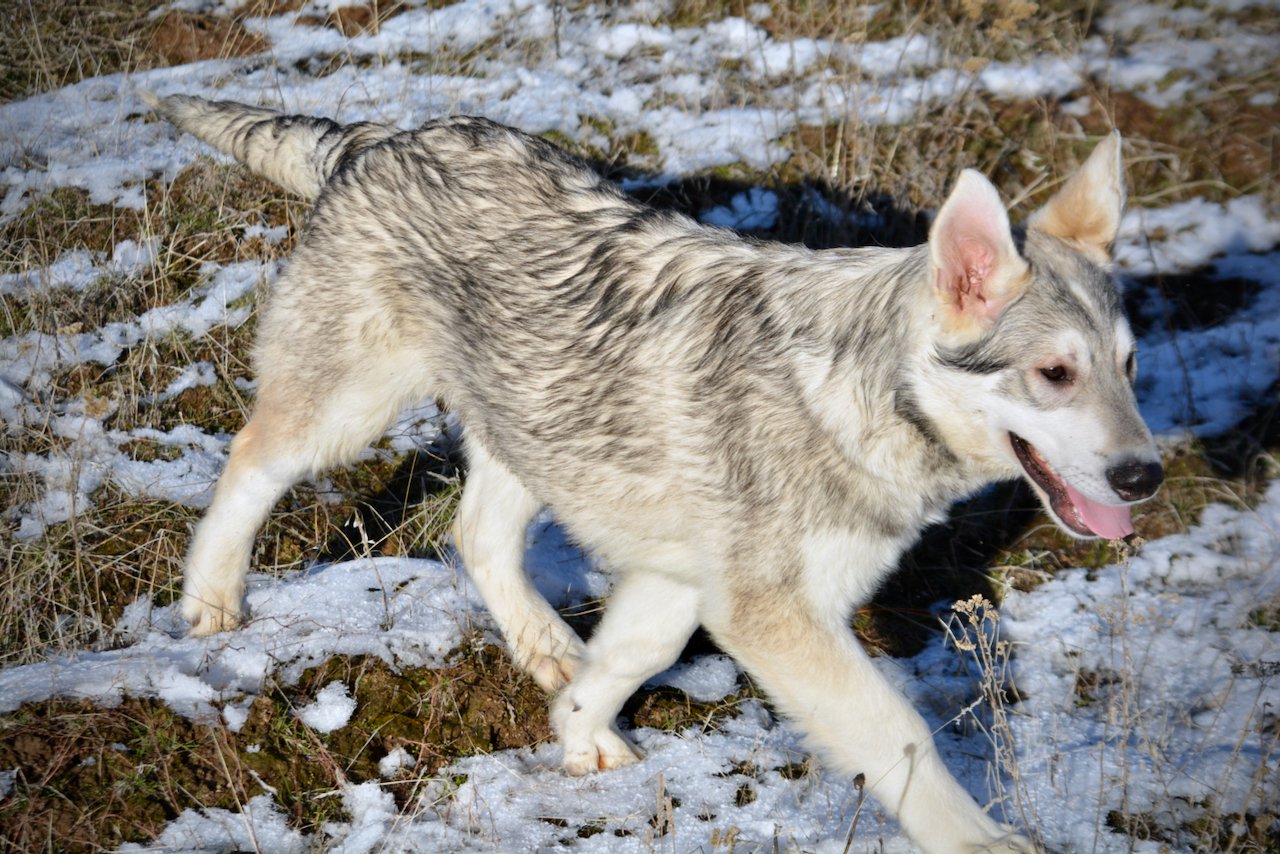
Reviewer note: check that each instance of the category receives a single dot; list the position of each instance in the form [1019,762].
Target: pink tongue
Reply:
[1105,520]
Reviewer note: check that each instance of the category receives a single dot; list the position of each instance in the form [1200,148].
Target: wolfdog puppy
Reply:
[748,434]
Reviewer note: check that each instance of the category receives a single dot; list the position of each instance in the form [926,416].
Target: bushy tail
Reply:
[297,152]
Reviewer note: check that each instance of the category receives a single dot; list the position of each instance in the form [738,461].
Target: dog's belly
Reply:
[633,533]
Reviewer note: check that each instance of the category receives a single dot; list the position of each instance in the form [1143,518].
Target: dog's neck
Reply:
[877,308]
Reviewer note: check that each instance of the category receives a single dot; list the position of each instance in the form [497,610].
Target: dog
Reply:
[748,434]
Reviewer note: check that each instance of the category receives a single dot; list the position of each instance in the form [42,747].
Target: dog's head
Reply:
[1033,363]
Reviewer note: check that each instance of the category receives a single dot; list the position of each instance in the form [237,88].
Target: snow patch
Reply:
[331,710]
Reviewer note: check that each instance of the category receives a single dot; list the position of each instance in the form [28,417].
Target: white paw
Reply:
[589,746]
[551,654]
[603,751]
[552,672]
[1011,844]
[210,613]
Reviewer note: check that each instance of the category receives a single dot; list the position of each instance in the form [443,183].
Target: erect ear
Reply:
[1086,210]
[977,270]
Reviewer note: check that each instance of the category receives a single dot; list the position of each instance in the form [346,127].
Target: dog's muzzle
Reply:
[1131,480]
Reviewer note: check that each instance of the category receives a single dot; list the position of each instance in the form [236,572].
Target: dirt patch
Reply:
[182,37]
[63,589]
[266,8]
[354,20]
[91,778]
[56,44]
[209,206]
[358,19]
[673,710]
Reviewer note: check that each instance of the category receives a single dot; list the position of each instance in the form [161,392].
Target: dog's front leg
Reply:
[817,673]
[646,624]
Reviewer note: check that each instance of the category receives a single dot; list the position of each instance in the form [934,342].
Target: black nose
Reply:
[1135,480]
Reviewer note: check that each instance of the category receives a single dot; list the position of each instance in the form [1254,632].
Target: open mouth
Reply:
[1082,515]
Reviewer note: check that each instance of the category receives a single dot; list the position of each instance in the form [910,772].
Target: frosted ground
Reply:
[1188,693]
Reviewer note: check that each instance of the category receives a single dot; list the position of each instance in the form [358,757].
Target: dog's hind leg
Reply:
[816,672]
[307,417]
[648,620]
[254,479]
[490,533]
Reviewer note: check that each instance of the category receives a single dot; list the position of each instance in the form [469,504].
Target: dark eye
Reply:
[1055,374]
[1131,366]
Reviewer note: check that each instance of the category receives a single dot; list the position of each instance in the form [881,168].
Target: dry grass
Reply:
[67,587]
[50,45]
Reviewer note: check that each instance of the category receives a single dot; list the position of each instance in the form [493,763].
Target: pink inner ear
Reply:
[973,252]
[969,261]
[978,258]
